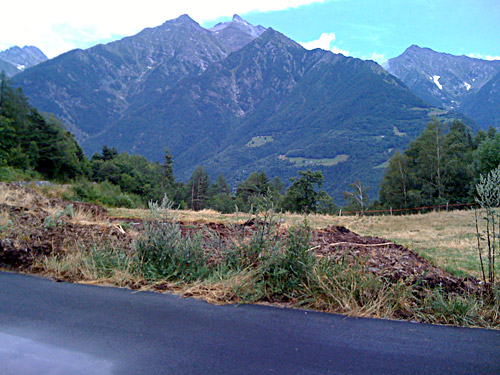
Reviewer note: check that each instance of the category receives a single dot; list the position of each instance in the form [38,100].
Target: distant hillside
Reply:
[15,59]
[234,98]
[452,82]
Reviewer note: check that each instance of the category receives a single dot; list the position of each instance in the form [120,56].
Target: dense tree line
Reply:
[135,175]
[440,167]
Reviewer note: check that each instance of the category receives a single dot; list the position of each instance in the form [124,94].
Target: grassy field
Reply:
[259,141]
[446,238]
[327,162]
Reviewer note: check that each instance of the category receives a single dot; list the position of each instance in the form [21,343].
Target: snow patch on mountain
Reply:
[436,81]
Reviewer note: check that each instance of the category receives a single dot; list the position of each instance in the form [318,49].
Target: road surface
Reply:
[61,328]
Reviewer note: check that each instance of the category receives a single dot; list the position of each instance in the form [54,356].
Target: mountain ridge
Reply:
[232,103]
[448,81]
[16,59]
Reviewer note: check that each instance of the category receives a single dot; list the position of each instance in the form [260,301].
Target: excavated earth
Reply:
[35,227]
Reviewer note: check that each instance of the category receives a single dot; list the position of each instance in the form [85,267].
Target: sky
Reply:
[367,29]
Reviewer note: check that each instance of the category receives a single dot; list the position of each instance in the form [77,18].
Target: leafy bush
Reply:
[104,193]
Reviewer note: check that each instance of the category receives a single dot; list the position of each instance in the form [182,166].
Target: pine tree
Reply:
[302,195]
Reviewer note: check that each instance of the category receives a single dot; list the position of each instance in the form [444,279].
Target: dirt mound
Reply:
[33,226]
[386,259]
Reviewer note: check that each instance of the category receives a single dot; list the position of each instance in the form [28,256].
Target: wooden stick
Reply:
[361,244]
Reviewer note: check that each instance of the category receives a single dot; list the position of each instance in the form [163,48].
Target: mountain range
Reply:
[234,98]
[16,59]
[461,83]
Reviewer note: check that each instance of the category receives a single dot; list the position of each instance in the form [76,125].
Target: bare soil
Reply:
[37,227]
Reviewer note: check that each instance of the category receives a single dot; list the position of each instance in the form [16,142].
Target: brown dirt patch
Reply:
[39,227]
[386,259]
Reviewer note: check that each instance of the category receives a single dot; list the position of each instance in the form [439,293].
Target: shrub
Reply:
[165,253]
[104,193]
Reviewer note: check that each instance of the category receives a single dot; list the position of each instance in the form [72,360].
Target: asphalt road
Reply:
[60,328]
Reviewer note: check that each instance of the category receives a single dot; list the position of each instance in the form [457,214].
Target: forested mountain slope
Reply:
[235,98]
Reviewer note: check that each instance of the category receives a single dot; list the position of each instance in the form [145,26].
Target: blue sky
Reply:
[376,29]
[385,28]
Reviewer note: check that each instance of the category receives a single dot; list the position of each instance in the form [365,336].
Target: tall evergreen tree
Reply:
[250,190]
[303,194]
[437,168]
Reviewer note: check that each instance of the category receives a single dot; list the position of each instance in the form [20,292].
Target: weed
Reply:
[55,220]
[488,196]
[284,273]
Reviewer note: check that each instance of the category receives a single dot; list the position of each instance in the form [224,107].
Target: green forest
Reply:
[440,167]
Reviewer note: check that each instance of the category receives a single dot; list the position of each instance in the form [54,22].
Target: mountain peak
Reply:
[23,58]
[237,18]
[183,20]
[414,47]
[237,32]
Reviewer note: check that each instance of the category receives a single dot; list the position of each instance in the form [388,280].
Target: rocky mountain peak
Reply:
[24,57]
[183,21]
[413,47]
[15,59]
[237,18]
[237,32]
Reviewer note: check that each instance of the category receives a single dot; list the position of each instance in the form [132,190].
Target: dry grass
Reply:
[80,215]
[51,190]
[15,197]
[4,218]
[81,265]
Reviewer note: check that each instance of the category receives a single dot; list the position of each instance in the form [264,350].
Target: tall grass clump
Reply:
[165,253]
[488,197]
[345,286]
[101,261]
[284,272]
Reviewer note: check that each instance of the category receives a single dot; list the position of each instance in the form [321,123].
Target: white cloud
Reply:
[484,57]
[378,57]
[39,23]
[324,41]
